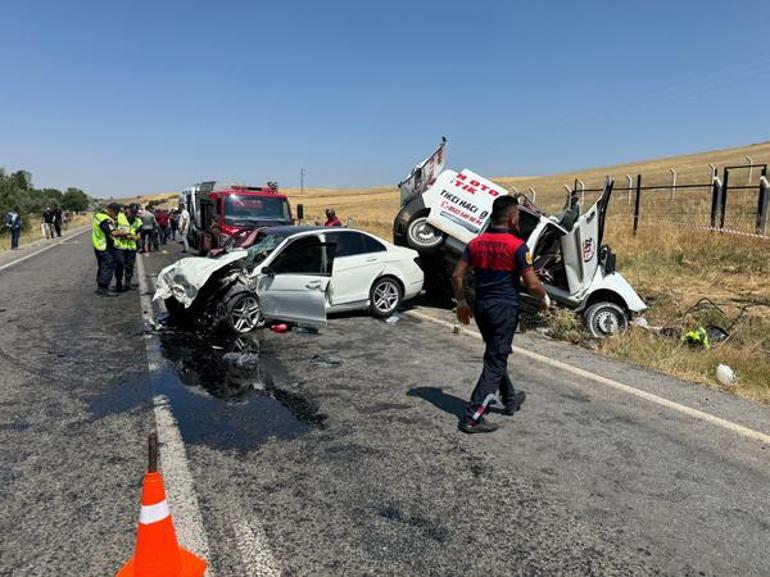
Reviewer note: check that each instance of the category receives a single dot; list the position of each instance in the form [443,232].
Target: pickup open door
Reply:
[293,286]
[580,246]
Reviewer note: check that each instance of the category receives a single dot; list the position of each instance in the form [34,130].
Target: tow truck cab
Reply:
[220,210]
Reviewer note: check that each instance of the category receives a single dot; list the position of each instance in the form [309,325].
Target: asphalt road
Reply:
[338,454]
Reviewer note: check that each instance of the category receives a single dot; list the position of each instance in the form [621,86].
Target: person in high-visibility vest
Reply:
[103,234]
[128,223]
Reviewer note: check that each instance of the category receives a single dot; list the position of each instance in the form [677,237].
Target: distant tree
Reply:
[74,199]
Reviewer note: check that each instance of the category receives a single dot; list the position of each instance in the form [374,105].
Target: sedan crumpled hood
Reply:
[184,279]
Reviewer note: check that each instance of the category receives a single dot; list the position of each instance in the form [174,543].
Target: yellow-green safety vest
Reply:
[98,238]
[129,227]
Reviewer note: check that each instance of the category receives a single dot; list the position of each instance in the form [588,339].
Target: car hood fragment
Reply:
[184,279]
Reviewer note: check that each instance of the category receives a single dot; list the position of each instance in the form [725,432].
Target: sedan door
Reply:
[358,262]
[293,285]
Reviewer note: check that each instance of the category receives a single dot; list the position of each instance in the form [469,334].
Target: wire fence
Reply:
[720,205]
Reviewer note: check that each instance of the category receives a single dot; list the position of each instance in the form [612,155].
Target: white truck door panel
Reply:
[581,245]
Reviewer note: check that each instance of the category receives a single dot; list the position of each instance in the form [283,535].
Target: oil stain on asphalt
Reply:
[222,392]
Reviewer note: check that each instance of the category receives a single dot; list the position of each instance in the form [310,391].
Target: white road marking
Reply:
[669,404]
[176,471]
[255,551]
[45,248]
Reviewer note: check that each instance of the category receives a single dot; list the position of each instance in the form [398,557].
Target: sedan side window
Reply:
[348,243]
[304,256]
[372,245]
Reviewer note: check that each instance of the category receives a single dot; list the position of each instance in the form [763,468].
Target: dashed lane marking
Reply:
[179,481]
[650,397]
[45,248]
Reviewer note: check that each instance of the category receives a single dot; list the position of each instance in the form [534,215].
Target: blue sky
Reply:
[123,98]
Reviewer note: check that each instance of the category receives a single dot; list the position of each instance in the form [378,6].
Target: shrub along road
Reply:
[352,463]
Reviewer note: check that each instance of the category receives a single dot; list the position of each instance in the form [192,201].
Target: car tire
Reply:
[242,312]
[605,319]
[423,236]
[385,297]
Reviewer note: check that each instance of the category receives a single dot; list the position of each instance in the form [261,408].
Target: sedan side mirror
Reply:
[268,271]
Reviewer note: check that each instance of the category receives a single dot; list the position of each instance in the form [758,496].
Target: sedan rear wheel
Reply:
[385,297]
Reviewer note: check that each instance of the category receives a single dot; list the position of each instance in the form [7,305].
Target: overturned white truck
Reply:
[442,210]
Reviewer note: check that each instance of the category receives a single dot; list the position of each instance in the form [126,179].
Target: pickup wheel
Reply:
[423,236]
[605,319]
[242,312]
[385,297]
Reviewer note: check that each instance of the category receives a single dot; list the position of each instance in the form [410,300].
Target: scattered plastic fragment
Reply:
[325,361]
[306,330]
[725,375]
[280,328]
[393,319]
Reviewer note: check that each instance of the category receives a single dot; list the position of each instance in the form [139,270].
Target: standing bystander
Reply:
[14,223]
[184,225]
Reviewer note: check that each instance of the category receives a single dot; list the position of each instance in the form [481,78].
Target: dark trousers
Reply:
[105,260]
[163,233]
[124,267]
[497,322]
[15,234]
[57,227]
[173,229]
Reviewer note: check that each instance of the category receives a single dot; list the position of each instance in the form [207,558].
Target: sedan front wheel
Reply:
[242,311]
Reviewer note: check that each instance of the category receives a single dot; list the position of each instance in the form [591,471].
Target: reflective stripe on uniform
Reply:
[150,514]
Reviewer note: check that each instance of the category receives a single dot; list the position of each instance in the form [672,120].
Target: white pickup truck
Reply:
[442,210]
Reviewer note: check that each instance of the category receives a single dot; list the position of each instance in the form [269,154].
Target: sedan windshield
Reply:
[266,243]
[239,208]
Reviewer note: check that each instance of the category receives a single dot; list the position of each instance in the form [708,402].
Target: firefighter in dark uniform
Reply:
[499,260]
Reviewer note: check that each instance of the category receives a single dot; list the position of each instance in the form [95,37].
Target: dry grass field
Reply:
[671,266]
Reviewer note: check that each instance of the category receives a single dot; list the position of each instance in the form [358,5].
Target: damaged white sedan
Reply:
[293,274]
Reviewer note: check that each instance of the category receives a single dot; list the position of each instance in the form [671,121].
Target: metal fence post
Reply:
[723,204]
[630,186]
[673,183]
[638,201]
[716,199]
[763,207]
[534,195]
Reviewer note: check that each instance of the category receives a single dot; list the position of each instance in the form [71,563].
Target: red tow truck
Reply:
[221,210]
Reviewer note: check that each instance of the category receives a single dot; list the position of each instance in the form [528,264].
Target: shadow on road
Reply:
[439,399]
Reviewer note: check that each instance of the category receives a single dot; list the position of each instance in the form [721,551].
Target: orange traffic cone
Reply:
[157,552]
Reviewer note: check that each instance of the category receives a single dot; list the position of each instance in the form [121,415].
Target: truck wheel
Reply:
[241,310]
[384,297]
[605,319]
[423,236]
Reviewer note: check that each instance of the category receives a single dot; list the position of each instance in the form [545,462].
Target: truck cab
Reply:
[220,211]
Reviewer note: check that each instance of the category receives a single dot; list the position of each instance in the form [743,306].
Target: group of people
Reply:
[119,232]
[159,226]
[53,220]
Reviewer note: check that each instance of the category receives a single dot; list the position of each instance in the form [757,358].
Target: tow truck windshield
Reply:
[239,209]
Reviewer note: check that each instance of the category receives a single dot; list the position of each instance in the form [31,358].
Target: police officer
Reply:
[499,260]
[129,224]
[103,234]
